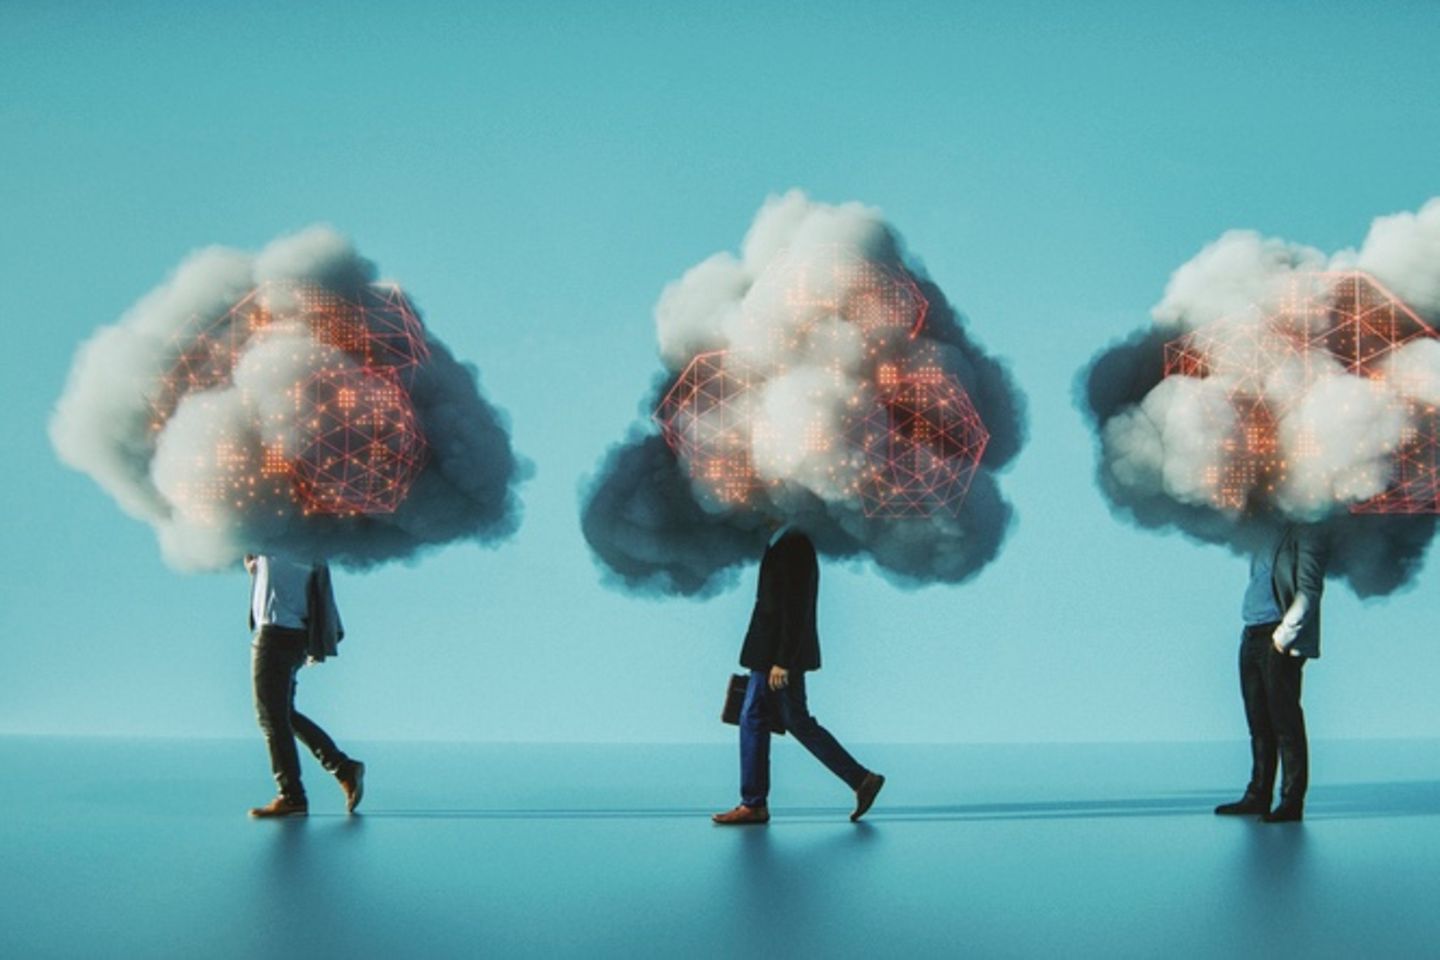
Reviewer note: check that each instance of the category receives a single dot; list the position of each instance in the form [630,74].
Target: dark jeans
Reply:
[276,656]
[1270,684]
[755,737]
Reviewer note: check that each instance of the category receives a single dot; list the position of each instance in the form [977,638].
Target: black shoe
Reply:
[1285,813]
[1248,805]
[865,794]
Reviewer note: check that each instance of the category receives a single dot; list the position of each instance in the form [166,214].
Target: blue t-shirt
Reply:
[1260,605]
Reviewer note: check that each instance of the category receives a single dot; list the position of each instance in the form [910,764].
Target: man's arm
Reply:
[790,586]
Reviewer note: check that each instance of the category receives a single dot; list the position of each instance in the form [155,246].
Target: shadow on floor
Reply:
[1331,801]
[1396,798]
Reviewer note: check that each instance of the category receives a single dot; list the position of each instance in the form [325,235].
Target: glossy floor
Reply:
[143,849]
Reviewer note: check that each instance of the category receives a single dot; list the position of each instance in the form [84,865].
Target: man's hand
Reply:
[1282,638]
[779,678]
[249,562]
[1288,629]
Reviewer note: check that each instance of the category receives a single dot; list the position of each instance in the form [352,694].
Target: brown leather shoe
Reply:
[282,807]
[742,815]
[352,781]
[865,794]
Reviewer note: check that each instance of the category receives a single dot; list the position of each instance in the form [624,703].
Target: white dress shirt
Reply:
[279,596]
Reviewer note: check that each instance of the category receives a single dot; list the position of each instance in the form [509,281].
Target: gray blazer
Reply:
[1298,575]
[323,629]
[323,623]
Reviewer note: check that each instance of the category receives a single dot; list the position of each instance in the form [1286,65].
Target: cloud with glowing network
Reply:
[819,377]
[1281,383]
[287,402]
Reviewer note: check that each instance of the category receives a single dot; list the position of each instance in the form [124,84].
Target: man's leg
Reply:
[1282,691]
[331,757]
[350,772]
[754,758]
[755,743]
[816,738]
[274,659]
[1255,649]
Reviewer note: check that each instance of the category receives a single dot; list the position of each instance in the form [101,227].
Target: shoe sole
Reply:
[756,821]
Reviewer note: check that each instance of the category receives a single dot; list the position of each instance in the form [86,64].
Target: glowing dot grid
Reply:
[918,439]
[361,447]
[358,447]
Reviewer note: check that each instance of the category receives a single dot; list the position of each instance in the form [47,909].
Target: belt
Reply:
[279,631]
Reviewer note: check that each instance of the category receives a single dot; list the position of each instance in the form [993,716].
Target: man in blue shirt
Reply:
[1281,613]
[293,616]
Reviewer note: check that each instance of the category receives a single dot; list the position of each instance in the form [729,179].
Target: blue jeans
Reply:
[755,738]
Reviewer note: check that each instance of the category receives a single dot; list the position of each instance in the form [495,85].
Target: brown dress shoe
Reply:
[743,814]
[282,807]
[865,794]
[352,781]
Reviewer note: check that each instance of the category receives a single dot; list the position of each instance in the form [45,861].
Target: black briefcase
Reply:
[735,700]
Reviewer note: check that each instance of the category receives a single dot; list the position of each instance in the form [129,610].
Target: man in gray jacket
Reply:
[1281,612]
[294,619]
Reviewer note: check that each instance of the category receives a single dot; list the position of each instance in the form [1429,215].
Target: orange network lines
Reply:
[1321,323]
[362,447]
[922,442]
[345,439]
[912,439]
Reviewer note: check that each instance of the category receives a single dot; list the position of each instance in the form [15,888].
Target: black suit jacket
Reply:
[782,627]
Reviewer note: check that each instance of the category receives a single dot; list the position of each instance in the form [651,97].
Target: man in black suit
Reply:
[780,647]
[1281,612]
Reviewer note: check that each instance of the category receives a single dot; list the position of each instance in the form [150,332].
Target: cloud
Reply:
[284,402]
[1277,383]
[820,376]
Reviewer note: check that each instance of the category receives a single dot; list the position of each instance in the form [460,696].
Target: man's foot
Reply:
[1285,813]
[865,794]
[352,781]
[282,807]
[1248,805]
[743,814]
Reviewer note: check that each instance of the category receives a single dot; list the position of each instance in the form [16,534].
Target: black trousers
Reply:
[276,656]
[1270,684]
